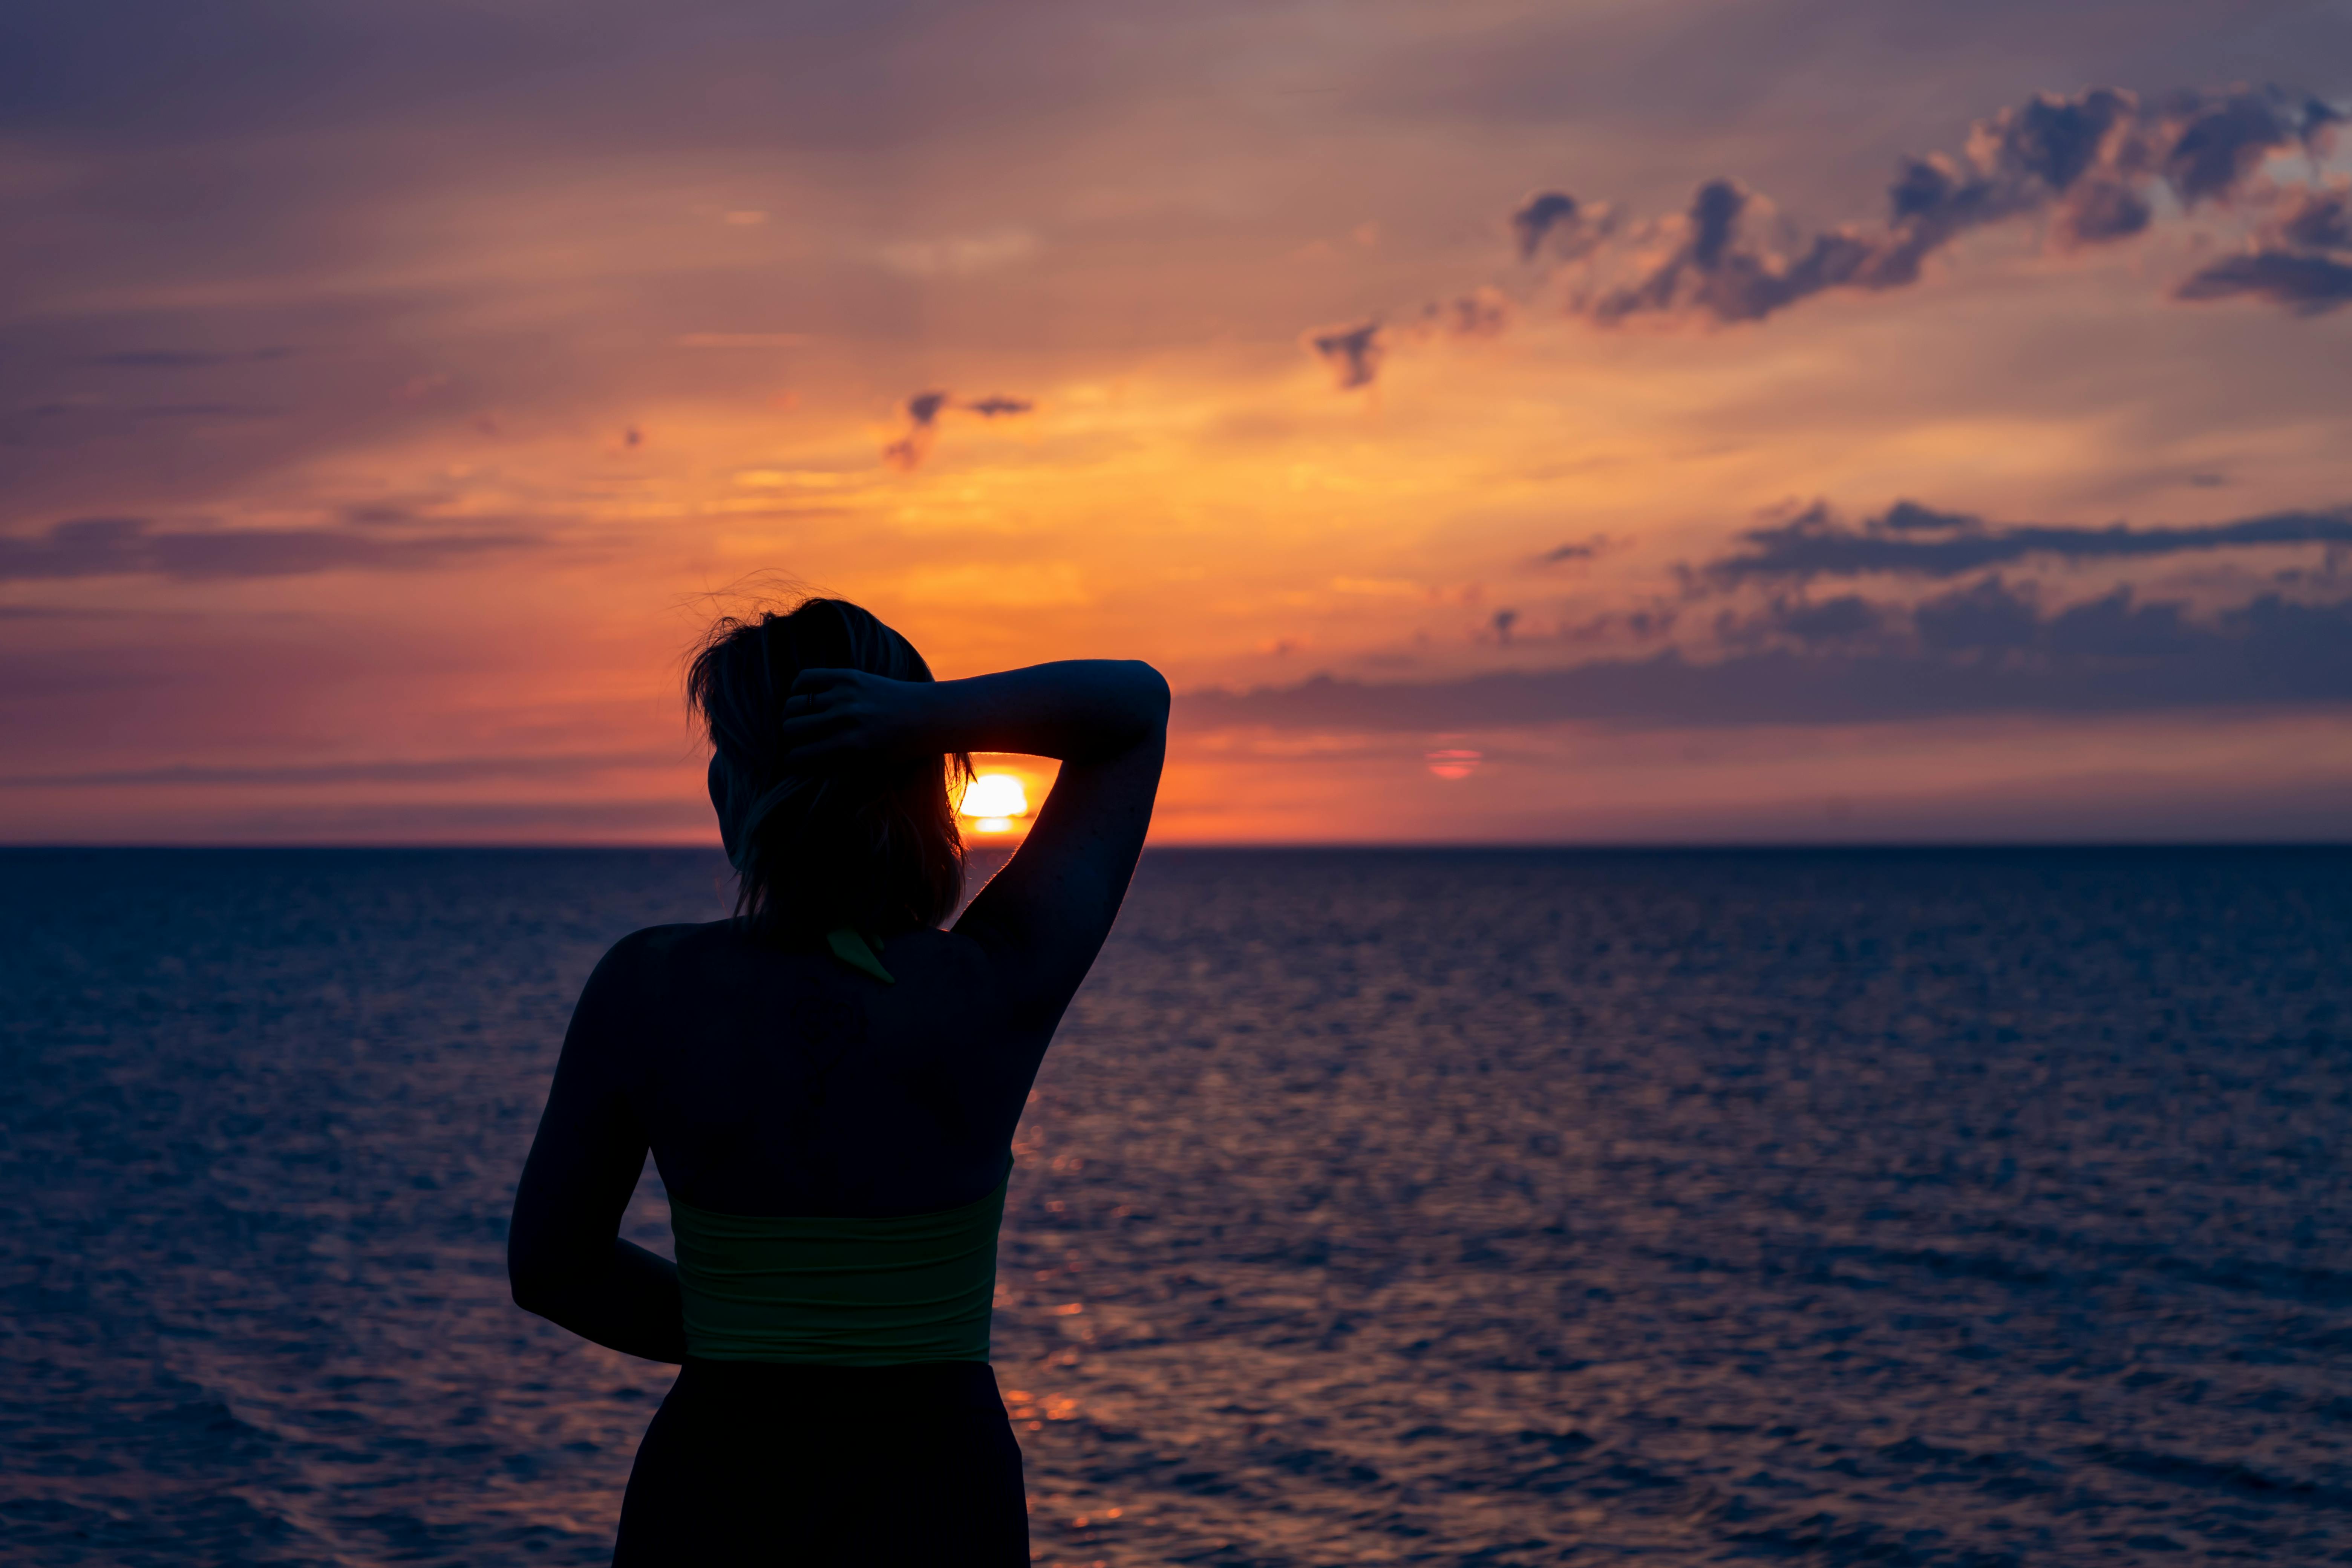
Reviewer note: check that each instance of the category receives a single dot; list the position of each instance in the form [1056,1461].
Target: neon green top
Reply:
[846,1292]
[860,952]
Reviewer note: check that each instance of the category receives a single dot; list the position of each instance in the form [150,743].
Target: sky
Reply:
[1690,421]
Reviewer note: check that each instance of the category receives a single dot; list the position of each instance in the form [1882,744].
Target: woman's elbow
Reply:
[536,1280]
[531,1291]
[1152,698]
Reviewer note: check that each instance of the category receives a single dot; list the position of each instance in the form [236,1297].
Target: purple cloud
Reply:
[1914,541]
[1849,662]
[2301,259]
[2090,164]
[923,411]
[1353,352]
[1556,222]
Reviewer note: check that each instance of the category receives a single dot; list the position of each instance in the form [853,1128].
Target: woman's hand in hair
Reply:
[844,716]
[1079,711]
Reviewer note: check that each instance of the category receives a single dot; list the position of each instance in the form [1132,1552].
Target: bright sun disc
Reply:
[994,800]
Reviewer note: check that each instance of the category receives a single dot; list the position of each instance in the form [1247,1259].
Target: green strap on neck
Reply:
[860,952]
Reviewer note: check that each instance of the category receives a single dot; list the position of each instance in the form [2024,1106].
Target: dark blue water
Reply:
[1395,1208]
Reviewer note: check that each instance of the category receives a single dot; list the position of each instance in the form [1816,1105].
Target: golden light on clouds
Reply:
[402,541]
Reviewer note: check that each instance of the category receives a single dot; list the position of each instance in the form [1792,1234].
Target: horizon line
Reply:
[1724,846]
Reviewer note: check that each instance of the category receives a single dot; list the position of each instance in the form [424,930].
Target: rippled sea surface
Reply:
[1480,1207]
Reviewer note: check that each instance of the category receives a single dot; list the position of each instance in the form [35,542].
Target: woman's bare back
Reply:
[782,1081]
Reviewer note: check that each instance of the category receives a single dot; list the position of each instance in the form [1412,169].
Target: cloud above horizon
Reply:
[1988,651]
[1994,645]
[2092,165]
[923,410]
[186,359]
[2095,167]
[2301,258]
[127,546]
[439,770]
[1918,540]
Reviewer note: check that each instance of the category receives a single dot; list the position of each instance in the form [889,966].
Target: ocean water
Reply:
[1414,1207]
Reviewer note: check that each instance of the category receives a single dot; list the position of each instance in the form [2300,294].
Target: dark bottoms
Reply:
[763,1462]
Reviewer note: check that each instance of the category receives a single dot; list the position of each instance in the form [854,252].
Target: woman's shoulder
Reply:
[943,951]
[646,955]
[660,961]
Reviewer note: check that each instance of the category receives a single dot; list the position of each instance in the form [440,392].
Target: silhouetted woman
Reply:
[829,1084]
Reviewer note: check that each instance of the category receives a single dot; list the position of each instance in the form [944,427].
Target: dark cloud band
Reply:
[2301,259]
[452,770]
[2111,656]
[188,359]
[124,546]
[1912,540]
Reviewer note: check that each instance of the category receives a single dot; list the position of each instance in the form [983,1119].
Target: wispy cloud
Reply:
[123,546]
[960,255]
[907,452]
[1574,551]
[1556,223]
[742,340]
[1353,351]
[2091,163]
[1986,651]
[923,411]
[513,822]
[2091,166]
[1914,540]
[2306,285]
[450,770]
[95,409]
[186,359]
[2302,259]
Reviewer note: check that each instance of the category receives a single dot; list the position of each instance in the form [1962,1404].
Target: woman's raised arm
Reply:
[1044,916]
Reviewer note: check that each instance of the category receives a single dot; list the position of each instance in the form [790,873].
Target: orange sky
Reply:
[387,402]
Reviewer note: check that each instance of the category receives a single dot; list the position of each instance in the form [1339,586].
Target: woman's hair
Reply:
[869,846]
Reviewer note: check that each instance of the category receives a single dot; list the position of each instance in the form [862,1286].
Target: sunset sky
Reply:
[1738,421]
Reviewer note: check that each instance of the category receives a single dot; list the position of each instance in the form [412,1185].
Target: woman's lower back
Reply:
[767,1462]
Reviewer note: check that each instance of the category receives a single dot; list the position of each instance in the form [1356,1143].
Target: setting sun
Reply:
[994,800]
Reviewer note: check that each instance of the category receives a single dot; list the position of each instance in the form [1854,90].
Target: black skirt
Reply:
[763,1462]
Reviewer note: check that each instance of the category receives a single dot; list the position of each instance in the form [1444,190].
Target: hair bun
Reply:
[868,845]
